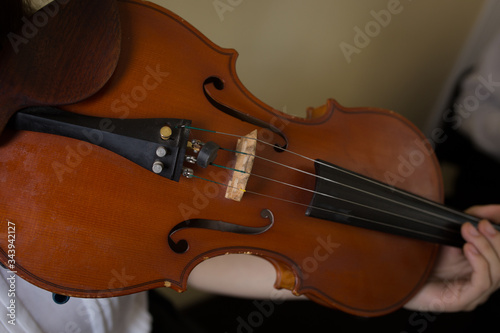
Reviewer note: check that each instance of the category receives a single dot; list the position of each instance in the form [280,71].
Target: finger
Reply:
[457,293]
[461,291]
[482,253]
[492,254]
[487,241]
[483,241]
[490,212]
[491,234]
[479,286]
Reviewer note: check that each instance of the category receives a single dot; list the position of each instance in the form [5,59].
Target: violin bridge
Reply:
[247,146]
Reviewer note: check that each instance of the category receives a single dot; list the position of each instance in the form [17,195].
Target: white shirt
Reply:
[36,312]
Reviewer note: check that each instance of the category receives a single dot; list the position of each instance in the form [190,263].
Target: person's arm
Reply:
[462,278]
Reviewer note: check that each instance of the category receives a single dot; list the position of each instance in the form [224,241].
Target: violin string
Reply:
[324,209]
[404,193]
[334,197]
[348,186]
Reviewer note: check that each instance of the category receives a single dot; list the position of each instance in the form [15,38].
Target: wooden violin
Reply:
[131,188]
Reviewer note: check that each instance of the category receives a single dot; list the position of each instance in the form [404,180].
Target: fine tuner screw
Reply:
[165,132]
[157,167]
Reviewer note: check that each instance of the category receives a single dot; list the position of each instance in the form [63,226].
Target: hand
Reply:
[464,278]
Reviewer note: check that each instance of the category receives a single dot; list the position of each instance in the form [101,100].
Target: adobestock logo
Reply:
[87,312]
[31,28]
[264,309]
[420,320]
[77,151]
[483,89]
[201,197]
[139,92]
[363,37]
[325,248]
[222,7]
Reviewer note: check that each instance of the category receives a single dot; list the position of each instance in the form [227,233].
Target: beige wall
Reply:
[290,53]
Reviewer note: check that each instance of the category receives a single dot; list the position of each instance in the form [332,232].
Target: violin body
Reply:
[89,223]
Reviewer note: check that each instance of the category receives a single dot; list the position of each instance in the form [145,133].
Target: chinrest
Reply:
[55,59]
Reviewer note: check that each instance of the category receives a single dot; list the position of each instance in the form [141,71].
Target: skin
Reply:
[465,278]
[462,278]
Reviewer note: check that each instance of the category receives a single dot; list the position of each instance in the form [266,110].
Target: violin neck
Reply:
[347,197]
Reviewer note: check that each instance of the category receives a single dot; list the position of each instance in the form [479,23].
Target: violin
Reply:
[173,162]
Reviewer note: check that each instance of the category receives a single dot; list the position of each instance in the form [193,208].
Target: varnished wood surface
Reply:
[61,55]
[91,224]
